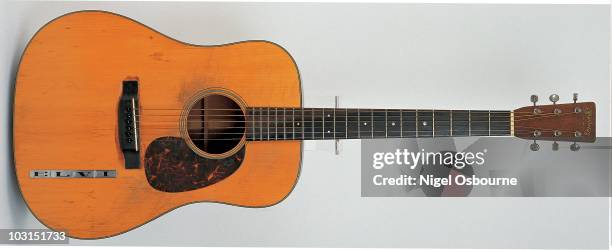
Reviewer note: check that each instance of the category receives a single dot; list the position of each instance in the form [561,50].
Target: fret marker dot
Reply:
[393,124]
[328,131]
[328,115]
[365,123]
[424,123]
[298,124]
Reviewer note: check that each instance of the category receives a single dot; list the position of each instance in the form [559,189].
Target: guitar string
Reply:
[315,137]
[312,134]
[365,131]
[371,120]
[322,109]
[342,113]
[261,115]
[381,116]
[381,131]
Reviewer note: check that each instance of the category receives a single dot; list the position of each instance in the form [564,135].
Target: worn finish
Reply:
[568,121]
[65,117]
[171,166]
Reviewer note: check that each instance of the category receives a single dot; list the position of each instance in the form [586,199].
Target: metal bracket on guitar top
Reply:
[128,123]
[336,142]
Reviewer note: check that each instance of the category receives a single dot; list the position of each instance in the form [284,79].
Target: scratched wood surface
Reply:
[67,90]
[567,122]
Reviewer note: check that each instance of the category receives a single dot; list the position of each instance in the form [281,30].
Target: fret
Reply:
[433,123]
[500,123]
[425,123]
[451,122]
[340,125]
[323,122]
[318,123]
[372,124]
[283,126]
[358,123]
[250,125]
[365,123]
[256,125]
[289,124]
[293,123]
[379,123]
[416,123]
[298,126]
[275,123]
[346,123]
[469,123]
[461,122]
[328,124]
[334,124]
[386,132]
[442,124]
[394,121]
[489,114]
[352,124]
[281,122]
[268,113]
[308,127]
[409,123]
[263,121]
[479,123]
[401,123]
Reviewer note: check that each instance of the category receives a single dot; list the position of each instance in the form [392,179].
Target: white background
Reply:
[373,55]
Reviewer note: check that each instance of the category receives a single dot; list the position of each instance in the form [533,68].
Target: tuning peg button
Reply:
[554,98]
[575,147]
[555,146]
[575,97]
[534,146]
[534,99]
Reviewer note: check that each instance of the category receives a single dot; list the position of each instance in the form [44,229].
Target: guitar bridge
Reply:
[128,123]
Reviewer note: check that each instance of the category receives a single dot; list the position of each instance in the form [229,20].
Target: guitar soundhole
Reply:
[215,124]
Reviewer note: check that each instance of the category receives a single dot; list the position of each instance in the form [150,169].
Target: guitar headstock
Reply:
[572,122]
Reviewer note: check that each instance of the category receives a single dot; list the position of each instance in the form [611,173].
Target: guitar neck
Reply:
[272,123]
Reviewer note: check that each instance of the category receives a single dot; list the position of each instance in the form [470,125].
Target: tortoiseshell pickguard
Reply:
[171,166]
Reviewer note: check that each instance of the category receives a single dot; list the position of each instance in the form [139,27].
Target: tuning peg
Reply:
[534,99]
[575,97]
[534,146]
[554,98]
[555,146]
[575,147]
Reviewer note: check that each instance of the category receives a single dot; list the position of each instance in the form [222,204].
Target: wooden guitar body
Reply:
[65,118]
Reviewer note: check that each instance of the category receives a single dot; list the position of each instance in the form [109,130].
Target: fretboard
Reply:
[270,123]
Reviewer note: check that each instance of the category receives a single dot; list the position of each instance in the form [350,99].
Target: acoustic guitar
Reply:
[115,124]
